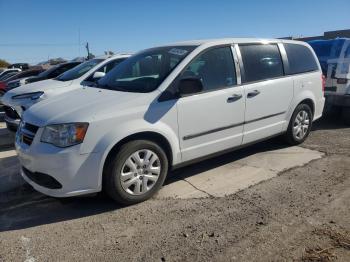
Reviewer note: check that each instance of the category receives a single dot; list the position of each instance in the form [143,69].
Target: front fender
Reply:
[105,144]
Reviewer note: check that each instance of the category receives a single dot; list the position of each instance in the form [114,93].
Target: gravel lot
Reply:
[302,214]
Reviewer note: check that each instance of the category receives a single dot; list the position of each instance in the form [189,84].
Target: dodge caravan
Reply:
[166,107]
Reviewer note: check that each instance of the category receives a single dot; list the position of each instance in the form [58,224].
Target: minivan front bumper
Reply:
[12,118]
[45,166]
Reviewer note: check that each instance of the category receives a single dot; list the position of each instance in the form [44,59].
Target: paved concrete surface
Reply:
[302,214]
[243,173]
[9,171]
[7,138]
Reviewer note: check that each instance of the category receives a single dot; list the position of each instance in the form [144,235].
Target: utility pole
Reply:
[79,42]
[88,50]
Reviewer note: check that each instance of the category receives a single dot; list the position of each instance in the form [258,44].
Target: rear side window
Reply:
[261,62]
[214,67]
[300,59]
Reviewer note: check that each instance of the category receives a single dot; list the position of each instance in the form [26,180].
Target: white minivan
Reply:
[21,98]
[166,107]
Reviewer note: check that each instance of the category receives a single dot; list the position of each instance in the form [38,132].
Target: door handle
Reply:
[253,93]
[234,98]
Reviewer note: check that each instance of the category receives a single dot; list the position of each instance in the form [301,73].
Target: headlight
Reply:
[33,95]
[64,135]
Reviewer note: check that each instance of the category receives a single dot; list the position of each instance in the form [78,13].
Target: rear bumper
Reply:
[338,100]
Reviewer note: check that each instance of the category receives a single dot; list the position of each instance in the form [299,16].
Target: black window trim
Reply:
[163,97]
[283,60]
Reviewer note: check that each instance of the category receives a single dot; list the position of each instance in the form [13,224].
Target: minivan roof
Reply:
[222,41]
[104,57]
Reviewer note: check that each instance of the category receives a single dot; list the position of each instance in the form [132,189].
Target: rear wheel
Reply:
[300,125]
[136,172]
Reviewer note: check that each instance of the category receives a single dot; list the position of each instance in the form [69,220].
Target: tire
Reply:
[292,137]
[346,115]
[2,93]
[120,172]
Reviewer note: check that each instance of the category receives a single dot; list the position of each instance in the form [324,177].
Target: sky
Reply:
[35,30]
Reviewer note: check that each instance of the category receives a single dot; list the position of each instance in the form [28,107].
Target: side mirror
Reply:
[191,85]
[98,75]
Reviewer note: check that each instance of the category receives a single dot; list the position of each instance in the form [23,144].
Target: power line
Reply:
[38,44]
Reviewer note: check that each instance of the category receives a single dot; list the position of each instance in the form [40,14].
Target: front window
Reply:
[215,68]
[145,71]
[79,70]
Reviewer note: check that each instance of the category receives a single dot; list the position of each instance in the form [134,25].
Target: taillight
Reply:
[323,83]
[342,81]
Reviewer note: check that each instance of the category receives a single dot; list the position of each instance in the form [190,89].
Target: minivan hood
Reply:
[84,105]
[45,86]
[40,86]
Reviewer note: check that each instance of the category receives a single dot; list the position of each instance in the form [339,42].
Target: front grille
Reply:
[331,88]
[10,112]
[27,139]
[27,133]
[31,128]
[42,179]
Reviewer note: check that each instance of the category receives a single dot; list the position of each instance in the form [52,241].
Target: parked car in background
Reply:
[8,72]
[21,98]
[334,56]
[166,107]
[19,79]
[53,72]
[22,66]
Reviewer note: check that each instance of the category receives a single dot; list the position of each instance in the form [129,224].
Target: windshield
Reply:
[145,71]
[79,70]
[48,71]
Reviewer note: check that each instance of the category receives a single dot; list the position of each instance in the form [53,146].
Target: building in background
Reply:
[326,35]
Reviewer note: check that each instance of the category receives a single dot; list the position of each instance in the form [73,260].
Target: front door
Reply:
[211,120]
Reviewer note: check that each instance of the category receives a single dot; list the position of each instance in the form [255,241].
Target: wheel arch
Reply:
[310,103]
[158,138]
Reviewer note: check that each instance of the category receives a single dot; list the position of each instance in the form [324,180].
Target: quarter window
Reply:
[215,68]
[300,59]
[261,62]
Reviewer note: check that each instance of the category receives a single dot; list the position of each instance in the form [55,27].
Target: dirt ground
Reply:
[303,214]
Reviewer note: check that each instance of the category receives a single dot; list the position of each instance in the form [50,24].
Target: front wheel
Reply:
[136,172]
[300,125]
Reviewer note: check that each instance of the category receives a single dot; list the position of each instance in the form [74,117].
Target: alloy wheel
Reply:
[301,125]
[140,172]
